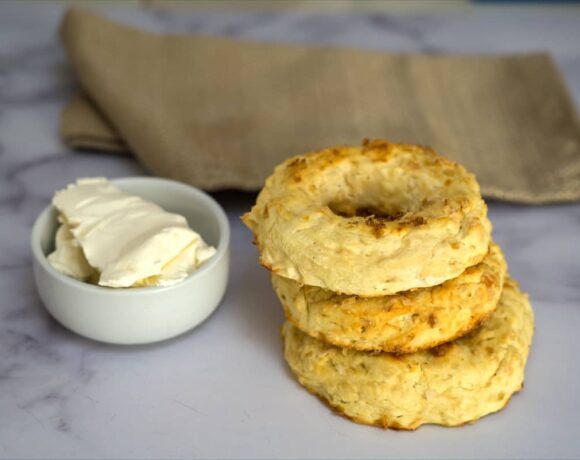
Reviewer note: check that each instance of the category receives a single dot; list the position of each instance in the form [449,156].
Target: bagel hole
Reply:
[347,209]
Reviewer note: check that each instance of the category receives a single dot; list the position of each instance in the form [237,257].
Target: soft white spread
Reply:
[121,240]
[68,257]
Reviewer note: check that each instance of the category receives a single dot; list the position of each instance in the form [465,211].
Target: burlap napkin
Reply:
[220,113]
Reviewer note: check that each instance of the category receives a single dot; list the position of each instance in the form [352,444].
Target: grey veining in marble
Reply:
[223,389]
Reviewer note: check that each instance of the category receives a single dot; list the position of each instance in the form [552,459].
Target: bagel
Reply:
[371,220]
[400,323]
[453,384]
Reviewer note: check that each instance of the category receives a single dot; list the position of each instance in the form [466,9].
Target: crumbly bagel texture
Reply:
[399,323]
[453,384]
[370,220]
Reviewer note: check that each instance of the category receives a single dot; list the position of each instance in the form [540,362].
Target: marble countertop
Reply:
[222,390]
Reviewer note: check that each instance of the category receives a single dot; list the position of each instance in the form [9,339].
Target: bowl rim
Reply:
[206,200]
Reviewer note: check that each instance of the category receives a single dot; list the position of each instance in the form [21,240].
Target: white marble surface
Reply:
[223,391]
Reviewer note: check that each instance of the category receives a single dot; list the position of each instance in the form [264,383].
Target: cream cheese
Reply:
[126,240]
[68,257]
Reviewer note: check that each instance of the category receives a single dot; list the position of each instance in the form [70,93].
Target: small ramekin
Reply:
[139,315]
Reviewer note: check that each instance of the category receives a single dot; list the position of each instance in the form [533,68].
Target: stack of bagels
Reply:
[399,308]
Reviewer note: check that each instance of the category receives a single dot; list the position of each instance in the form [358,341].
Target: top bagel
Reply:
[370,220]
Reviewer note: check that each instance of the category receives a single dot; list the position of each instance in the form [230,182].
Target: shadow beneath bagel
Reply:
[256,309]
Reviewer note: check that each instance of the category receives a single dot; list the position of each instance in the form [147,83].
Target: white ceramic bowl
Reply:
[139,315]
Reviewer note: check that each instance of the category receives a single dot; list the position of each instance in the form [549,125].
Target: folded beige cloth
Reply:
[219,113]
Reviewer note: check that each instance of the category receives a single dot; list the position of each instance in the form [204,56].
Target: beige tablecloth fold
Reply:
[220,113]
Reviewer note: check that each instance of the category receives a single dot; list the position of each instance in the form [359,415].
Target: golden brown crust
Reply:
[344,217]
[384,423]
[453,385]
[401,323]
